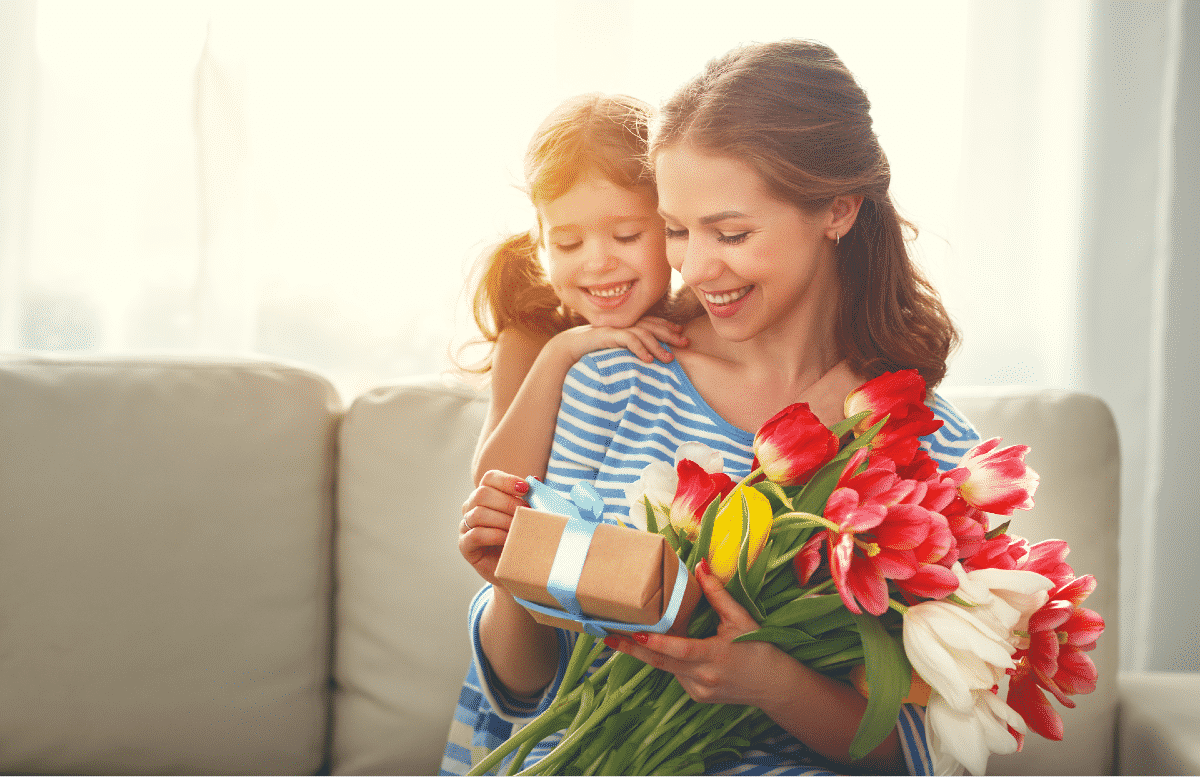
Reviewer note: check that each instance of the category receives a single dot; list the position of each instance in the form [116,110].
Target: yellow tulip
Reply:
[726,543]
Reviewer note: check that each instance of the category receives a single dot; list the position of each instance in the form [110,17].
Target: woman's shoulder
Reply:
[954,438]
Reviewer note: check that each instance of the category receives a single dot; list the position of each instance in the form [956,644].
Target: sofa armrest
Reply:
[1158,722]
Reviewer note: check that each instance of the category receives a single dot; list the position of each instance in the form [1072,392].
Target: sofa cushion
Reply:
[164,566]
[402,587]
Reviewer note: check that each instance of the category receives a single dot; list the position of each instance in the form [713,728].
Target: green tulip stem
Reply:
[613,699]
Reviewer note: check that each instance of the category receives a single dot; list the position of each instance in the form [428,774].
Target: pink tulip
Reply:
[998,481]
[792,445]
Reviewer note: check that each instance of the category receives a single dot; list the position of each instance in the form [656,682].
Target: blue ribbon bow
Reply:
[584,512]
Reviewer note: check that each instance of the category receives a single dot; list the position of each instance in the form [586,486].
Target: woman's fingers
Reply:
[734,617]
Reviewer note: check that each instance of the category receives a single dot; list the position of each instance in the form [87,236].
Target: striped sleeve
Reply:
[948,445]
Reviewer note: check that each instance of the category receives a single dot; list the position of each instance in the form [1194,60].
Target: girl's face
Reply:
[757,264]
[607,252]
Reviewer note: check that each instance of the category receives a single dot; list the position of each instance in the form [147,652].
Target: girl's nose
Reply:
[599,256]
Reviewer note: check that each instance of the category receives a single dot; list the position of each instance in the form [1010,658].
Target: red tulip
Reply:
[900,396]
[793,445]
[695,492]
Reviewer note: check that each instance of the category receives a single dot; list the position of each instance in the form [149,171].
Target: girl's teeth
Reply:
[727,297]
[614,291]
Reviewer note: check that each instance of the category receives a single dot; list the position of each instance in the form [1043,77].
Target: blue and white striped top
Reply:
[619,413]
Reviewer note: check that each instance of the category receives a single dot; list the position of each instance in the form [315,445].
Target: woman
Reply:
[775,195]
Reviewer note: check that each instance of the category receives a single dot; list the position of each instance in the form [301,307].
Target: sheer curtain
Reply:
[312,182]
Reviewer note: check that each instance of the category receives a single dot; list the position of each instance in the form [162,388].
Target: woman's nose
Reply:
[698,265]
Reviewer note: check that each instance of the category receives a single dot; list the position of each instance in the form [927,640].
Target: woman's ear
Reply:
[843,212]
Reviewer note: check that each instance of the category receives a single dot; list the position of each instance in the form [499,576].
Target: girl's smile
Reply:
[607,252]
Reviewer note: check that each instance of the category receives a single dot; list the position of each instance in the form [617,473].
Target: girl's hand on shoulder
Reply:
[715,670]
[487,514]
[644,339]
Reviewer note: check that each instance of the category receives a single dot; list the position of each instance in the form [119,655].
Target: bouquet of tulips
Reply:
[858,557]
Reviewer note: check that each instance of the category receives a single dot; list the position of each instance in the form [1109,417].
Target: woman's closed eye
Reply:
[627,239]
[674,233]
[732,240]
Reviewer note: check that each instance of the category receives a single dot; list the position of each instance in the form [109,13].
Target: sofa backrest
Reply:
[168,550]
[165,593]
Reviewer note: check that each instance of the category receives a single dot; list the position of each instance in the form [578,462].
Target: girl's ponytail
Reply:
[511,289]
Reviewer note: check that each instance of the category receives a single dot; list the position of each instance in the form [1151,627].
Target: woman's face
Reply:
[607,255]
[757,264]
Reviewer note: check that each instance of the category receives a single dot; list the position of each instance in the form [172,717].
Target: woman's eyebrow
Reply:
[728,214]
[714,218]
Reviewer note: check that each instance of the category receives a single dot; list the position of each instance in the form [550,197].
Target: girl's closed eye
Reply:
[567,247]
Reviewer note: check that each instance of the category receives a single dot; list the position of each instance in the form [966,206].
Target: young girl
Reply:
[586,174]
[775,195]
[609,280]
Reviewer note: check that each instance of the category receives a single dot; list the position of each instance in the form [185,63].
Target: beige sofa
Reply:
[213,567]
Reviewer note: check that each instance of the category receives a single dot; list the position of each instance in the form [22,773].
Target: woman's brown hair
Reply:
[605,133]
[794,112]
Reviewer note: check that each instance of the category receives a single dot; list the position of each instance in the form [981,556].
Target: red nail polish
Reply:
[612,642]
[703,567]
[521,487]
[641,637]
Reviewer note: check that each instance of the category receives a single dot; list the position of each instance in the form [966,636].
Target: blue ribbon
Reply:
[584,512]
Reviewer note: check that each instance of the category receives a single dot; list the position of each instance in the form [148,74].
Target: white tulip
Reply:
[966,739]
[710,460]
[657,483]
[963,652]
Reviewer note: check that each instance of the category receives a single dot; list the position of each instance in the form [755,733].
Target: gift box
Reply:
[627,580]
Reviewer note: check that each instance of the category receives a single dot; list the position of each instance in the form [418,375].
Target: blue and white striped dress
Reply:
[618,414]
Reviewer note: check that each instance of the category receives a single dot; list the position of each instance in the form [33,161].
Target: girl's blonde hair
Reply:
[605,133]
[794,112]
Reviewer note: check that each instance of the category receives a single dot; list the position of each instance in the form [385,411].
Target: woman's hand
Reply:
[487,514]
[644,339]
[716,669]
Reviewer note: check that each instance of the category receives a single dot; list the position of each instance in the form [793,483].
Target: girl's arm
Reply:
[528,374]
[819,711]
[527,377]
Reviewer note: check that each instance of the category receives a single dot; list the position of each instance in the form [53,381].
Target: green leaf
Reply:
[996,532]
[826,646]
[706,530]
[651,520]
[847,658]
[841,427]
[803,609]
[786,638]
[668,531]
[888,677]
[740,578]
[838,619]
[775,494]
[758,572]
